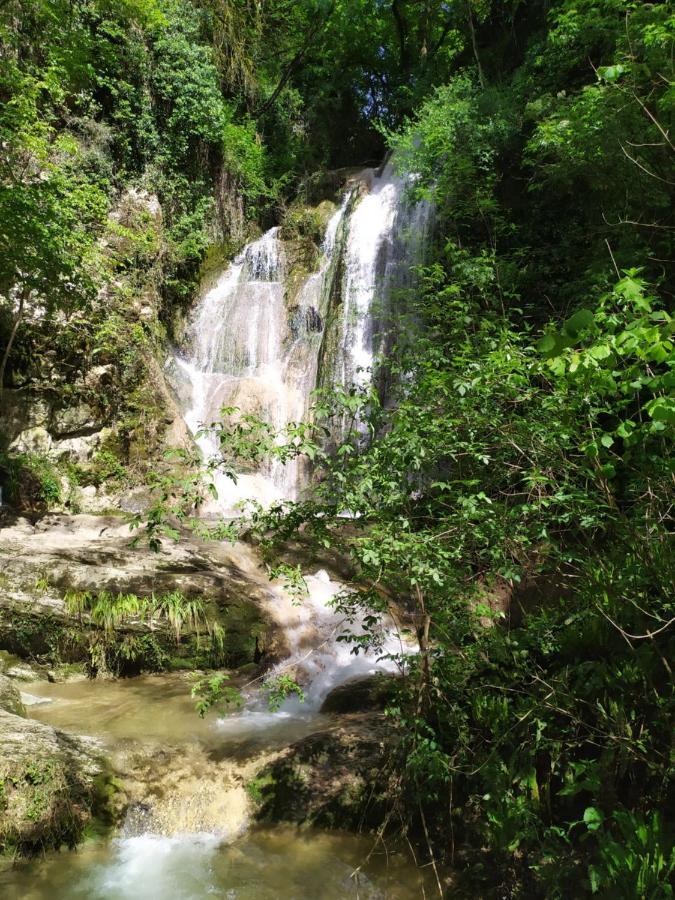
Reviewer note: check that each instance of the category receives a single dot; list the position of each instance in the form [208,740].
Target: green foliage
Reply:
[636,858]
[214,692]
[118,649]
[279,688]
[30,481]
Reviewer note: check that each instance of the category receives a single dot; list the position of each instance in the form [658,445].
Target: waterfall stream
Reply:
[257,344]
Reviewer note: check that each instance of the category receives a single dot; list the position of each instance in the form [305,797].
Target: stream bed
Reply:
[265,864]
[197,841]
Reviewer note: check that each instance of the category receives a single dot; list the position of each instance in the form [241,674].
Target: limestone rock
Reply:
[23,671]
[80,448]
[20,412]
[41,562]
[10,698]
[54,784]
[73,420]
[32,440]
[99,376]
[332,779]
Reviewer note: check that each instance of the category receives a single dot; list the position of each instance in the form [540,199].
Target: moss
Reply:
[332,779]
[308,222]
[45,804]
[216,258]
[229,637]
[256,786]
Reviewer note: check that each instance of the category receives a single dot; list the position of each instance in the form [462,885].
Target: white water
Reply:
[249,351]
[386,239]
[252,346]
[318,660]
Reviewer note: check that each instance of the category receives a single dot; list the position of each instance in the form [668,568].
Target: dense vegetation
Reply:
[515,494]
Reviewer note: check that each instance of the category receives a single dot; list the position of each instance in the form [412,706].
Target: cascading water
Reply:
[236,339]
[255,345]
[386,236]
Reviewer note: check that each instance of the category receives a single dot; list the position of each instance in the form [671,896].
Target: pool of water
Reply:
[195,840]
[276,864]
[159,709]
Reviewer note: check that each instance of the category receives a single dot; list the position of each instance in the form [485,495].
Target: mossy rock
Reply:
[333,779]
[372,692]
[10,697]
[52,787]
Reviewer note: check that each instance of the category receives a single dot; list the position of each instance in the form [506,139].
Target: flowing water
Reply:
[278,864]
[259,345]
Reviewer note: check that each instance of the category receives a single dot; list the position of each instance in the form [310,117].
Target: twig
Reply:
[635,637]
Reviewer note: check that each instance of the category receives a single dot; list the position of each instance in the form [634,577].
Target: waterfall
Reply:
[259,342]
[253,346]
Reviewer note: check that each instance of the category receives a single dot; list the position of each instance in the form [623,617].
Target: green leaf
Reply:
[593,818]
[578,322]
[594,878]
[600,351]
[662,409]
[612,73]
[548,343]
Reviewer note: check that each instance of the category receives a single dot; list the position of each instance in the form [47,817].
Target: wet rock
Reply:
[371,692]
[53,786]
[24,671]
[10,697]
[39,564]
[332,779]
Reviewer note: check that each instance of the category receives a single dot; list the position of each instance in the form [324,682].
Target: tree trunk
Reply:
[10,342]
[472,30]
[402,32]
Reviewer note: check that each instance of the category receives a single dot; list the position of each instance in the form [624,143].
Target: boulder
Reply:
[20,411]
[52,785]
[371,692]
[40,563]
[32,440]
[73,420]
[10,698]
[335,778]
[78,449]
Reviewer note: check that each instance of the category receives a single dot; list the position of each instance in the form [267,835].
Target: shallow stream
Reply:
[278,864]
[188,835]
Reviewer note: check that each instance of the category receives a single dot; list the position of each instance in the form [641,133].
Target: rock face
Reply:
[332,779]
[40,563]
[52,785]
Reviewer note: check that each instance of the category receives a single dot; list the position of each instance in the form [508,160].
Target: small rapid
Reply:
[321,658]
